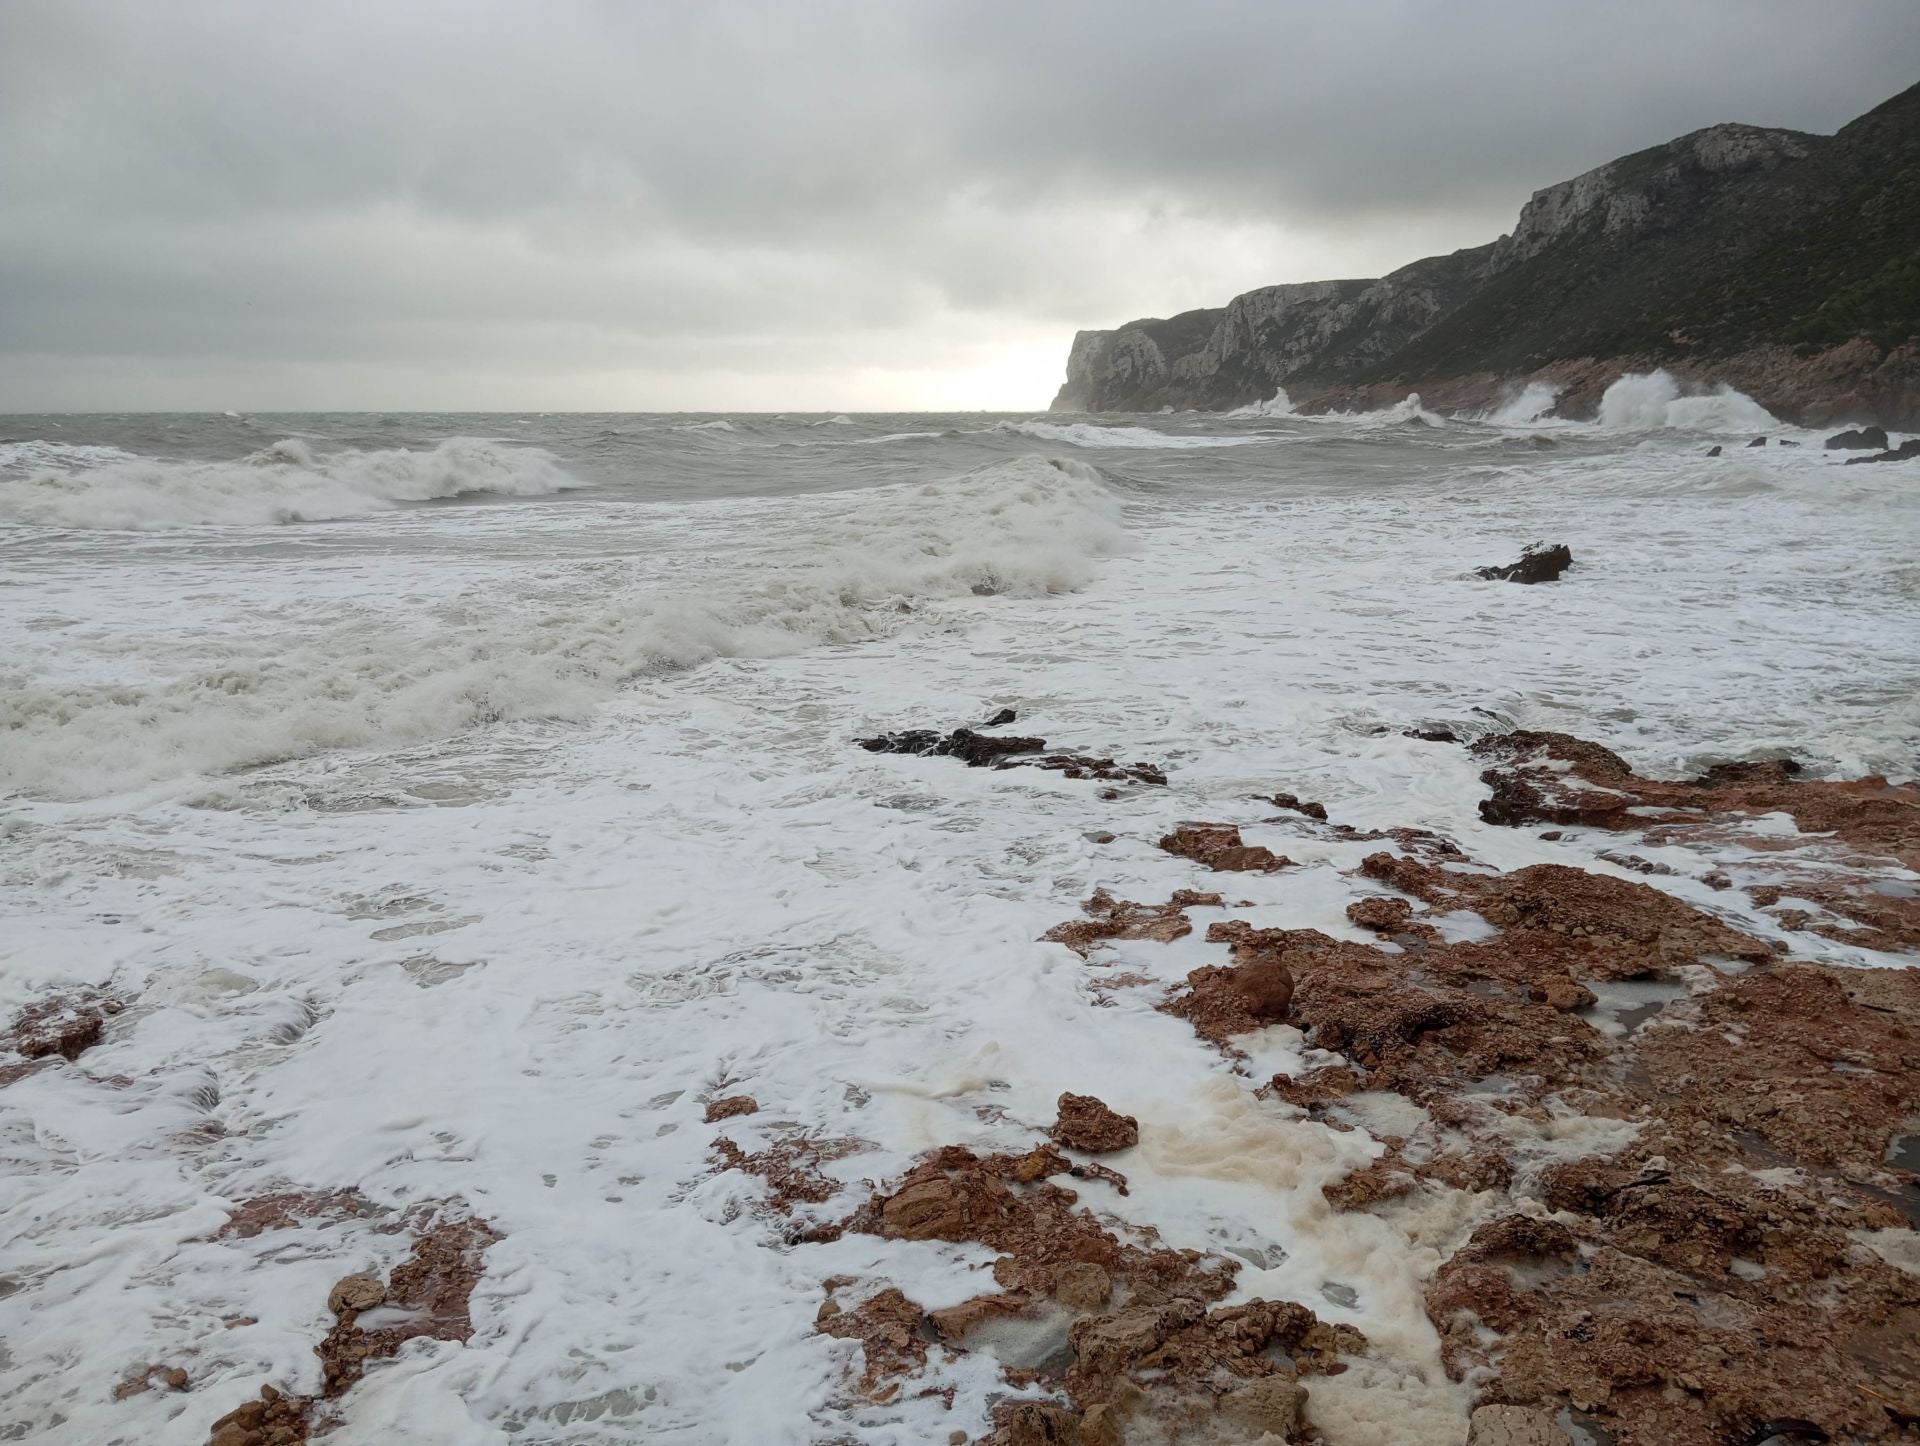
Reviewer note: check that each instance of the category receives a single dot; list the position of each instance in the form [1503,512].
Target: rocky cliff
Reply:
[1787,264]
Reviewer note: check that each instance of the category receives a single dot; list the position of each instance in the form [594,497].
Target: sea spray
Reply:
[1650,401]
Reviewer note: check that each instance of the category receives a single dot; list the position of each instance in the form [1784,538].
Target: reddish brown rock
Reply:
[887,1326]
[284,1210]
[1109,918]
[729,1106]
[1381,914]
[151,1378]
[1086,1124]
[1560,992]
[1293,803]
[431,1290]
[1219,847]
[67,1026]
[272,1420]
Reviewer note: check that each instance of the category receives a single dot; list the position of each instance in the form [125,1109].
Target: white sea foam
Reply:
[1408,409]
[1651,401]
[286,482]
[792,574]
[1087,434]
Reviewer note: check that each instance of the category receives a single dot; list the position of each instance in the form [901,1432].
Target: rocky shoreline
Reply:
[1657,1145]
[1636,1146]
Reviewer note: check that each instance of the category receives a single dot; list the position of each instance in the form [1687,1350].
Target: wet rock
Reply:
[1907,449]
[1080,765]
[1381,914]
[1220,848]
[1552,777]
[1110,918]
[1539,563]
[1713,451]
[151,1378]
[68,1026]
[1275,1406]
[1758,442]
[432,1288]
[1292,801]
[272,1420]
[887,1326]
[728,1107]
[1516,1425]
[1559,992]
[1001,719]
[1086,1124]
[976,750]
[1864,439]
[356,1293]
[284,1210]
[1317,1088]
[1431,735]
[1083,1285]
[1036,1423]
[790,1167]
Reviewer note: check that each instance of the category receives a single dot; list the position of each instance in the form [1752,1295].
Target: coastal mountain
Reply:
[1782,263]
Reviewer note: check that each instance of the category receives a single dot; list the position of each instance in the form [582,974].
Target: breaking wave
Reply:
[1086,434]
[1534,401]
[1651,401]
[1407,409]
[286,482]
[788,574]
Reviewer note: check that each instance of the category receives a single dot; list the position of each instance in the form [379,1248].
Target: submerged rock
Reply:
[976,750]
[1863,440]
[1539,563]
[1908,448]
[1758,442]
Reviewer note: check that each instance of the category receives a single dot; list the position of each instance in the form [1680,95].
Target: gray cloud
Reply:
[757,204]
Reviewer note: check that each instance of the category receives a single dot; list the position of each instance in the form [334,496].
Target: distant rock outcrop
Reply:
[1783,263]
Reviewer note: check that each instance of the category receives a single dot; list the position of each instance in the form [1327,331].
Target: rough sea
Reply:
[459,802]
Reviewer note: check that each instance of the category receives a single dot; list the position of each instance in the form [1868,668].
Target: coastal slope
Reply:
[1784,263]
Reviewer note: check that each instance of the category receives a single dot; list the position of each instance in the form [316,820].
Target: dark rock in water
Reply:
[976,750]
[1758,442]
[1713,451]
[1783,442]
[1005,715]
[1866,439]
[1431,735]
[1539,563]
[1294,802]
[1079,765]
[1908,448]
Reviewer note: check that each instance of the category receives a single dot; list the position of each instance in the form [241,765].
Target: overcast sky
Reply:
[396,204]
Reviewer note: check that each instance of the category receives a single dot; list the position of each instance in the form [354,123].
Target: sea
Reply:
[456,804]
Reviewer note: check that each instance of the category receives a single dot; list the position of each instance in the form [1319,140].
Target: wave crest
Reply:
[285,482]
[829,568]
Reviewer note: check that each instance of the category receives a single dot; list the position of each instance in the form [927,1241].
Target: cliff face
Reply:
[1790,259]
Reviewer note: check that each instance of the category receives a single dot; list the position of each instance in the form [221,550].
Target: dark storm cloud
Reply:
[606,204]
